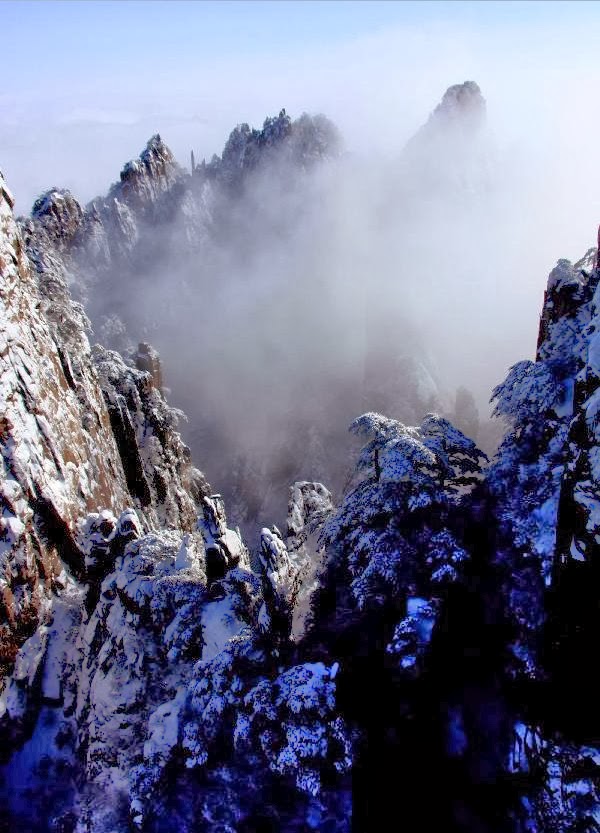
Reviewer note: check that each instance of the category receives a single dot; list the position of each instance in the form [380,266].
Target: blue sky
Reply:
[86,83]
[118,36]
[91,29]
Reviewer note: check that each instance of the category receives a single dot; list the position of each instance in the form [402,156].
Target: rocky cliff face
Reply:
[168,697]
[159,212]
[59,456]
[127,658]
[157,464]
[79,433]
[101,243]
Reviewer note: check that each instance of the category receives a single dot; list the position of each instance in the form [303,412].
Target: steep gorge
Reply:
[422,647]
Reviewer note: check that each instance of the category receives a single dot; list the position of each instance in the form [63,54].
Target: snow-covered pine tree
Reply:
[393,532]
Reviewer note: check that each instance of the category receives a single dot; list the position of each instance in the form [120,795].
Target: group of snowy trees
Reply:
[400,552]
[394,533]
[267,698]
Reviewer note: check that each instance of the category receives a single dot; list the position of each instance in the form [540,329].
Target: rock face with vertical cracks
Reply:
[157,464]
[78,434]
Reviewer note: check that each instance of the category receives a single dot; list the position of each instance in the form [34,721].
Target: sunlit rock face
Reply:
[147,359]
[79,433]
[143,180]
[59,215]
[157,464]
[59,456]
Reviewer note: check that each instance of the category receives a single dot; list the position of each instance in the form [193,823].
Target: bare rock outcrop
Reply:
[79,433]
[146,358]
[59,456]
[157,464]
[60,215]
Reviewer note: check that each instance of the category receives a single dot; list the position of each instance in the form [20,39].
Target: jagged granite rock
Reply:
[115,235]
[445,157]
[280,586]
[461,104]
[282,142]
[157,464]
[60,216]
[147,359]
[457,119]
[144,695]
[59,456]
[157,207]
[224,547]
[78,435]
[309,507]
[144,180]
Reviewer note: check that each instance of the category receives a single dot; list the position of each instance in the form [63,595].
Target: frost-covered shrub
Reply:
[527,472]
[392,528]
[525,483]
[216,689]
[292,720]
[287,718]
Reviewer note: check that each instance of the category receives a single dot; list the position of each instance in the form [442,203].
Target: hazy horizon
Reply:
[86,85]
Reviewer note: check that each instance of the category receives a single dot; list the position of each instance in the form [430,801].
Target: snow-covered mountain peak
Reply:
[59,214]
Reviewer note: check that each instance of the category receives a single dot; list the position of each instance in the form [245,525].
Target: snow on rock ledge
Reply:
[79,434]
[157,464]
[59,457]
